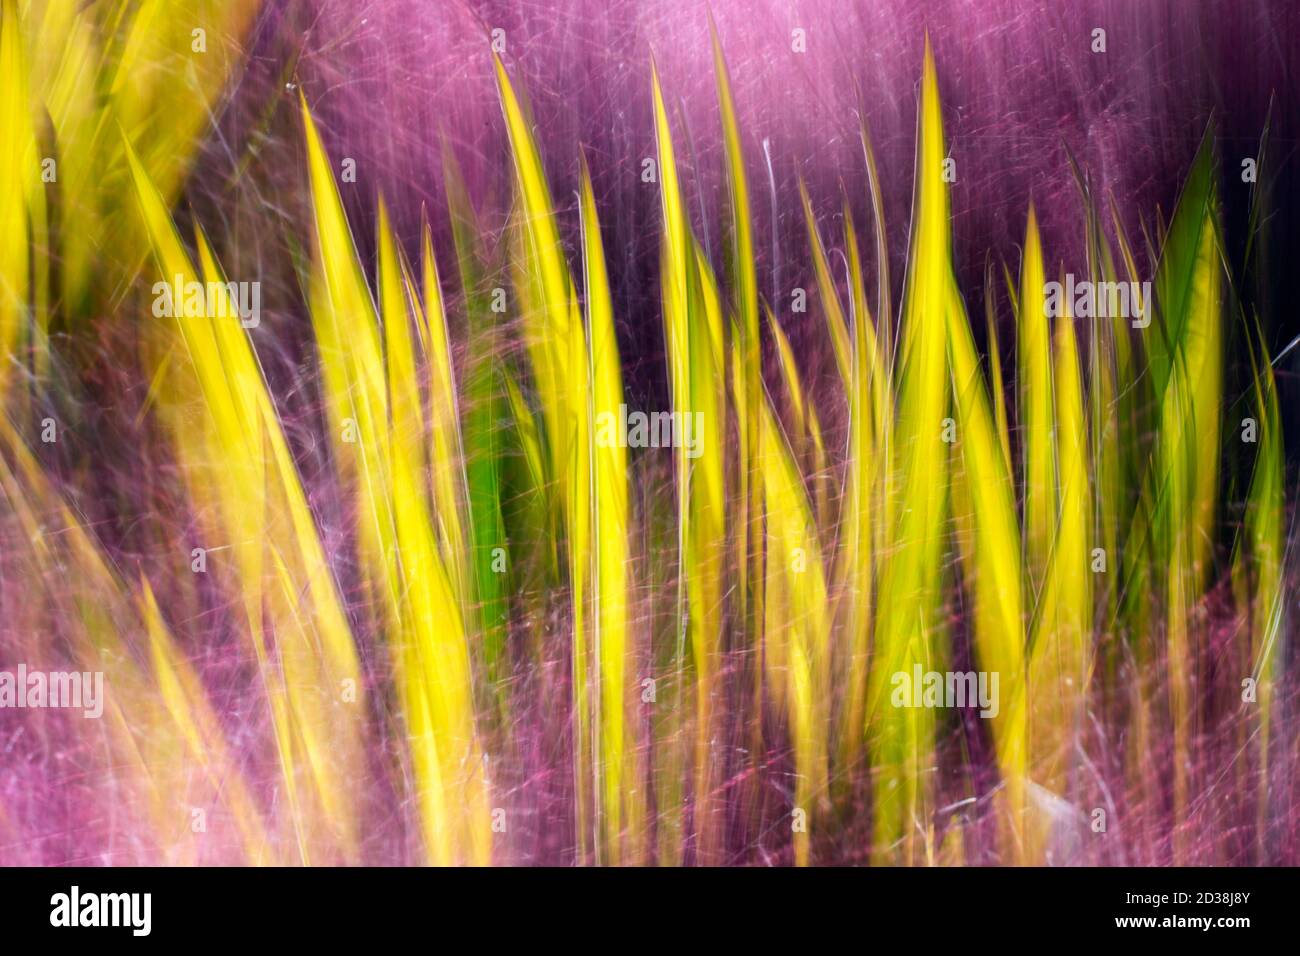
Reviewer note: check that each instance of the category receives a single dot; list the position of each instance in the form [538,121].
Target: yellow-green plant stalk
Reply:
[836,325]
[797,628]
[776,655]
[807,440]
[381,437]
[886,349]
[997,385]
[798,402]
[1187,373]
[432,633]
[1034,375]
[1105,463]
[743,282]
[446,449]
[579,386]
[694,334]
[621,787]
[557,347]
[884,307]
[1060,654]
[860,527]
[908,629]
[989,536]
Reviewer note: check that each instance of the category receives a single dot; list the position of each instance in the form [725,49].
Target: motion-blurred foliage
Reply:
[727,628]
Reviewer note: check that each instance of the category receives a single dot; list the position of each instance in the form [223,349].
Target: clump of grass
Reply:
[489,531]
